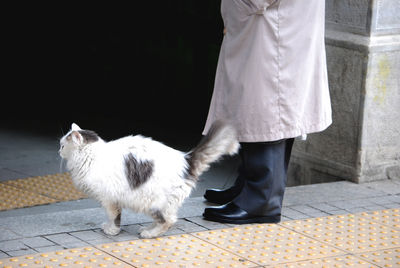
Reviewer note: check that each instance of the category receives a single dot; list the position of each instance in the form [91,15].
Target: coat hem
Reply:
[285,134]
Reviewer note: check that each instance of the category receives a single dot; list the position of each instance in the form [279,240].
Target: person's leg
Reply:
[221,197]
[264,169]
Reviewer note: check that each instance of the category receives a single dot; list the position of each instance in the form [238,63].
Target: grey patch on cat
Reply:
[158,216]
[137,172]
[89,136]
[117,220]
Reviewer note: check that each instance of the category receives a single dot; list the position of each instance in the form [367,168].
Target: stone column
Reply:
[363,55]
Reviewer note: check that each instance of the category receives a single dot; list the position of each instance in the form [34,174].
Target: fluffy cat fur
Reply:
[141,174]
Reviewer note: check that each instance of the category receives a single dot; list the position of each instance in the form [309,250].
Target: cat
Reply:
[141,174]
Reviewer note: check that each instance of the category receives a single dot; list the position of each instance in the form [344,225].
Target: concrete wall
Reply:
[363,55]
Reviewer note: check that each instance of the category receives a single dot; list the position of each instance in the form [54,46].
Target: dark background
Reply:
[146,67]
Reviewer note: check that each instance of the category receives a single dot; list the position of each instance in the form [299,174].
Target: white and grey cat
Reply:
[141,174]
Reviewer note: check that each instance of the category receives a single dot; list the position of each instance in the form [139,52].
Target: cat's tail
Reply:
[220,140]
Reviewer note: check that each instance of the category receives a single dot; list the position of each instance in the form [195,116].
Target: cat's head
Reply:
[75,139]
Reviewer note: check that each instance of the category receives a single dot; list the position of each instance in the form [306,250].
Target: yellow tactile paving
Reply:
[334,262]
[269,244]
[383,258]
[334,241]
[174,251]
[348,232]
[80,257]
[43,189]
[58,186]
[389,217]
[11,197]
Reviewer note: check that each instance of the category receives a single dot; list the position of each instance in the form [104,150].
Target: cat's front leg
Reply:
[113,226]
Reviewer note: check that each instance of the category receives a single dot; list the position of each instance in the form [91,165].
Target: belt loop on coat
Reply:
[260,11]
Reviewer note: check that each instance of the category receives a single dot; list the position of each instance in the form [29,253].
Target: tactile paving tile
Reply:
[334,262]
[174,251]
[11,198]
[383,258]
[348,232]
[80,257]
[267,244]
[305,243]
[389,217]
[58,186]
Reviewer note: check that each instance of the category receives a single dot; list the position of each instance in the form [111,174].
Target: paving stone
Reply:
[327,192]
[348,204]
[268,244]
[381,200]
[55,222]
[349,232]
[323,207]
[87,235]
[171,231]
[48,249]
[395,198]
[318,214]
[188,226]
[132,229]
[125,237]
[305,209]
[122,236]
[35,242]
[75,244]
[388,217]
[174,251]
[6,234]
[383,258]
[21,252]
[338,212]
[79,257]
[62,238]
[100,241]
[293,214]
[376,207]
[3,255]
[12,245]
[356,210]
[394,205]
[386,186]
[207,224]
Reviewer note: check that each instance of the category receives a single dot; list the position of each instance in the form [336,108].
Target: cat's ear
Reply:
[75,127]
[76,137]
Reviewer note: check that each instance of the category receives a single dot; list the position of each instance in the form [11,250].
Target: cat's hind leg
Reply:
[162,222]
[113,226]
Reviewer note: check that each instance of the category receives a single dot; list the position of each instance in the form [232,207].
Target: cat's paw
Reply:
[146,234]
[111,229]
[142,228]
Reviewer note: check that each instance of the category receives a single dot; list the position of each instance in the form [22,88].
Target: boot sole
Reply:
[264,219]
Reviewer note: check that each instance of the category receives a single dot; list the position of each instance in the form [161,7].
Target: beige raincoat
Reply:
[271,79]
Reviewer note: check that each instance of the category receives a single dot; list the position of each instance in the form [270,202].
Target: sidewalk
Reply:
[339,224]
[68,225]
